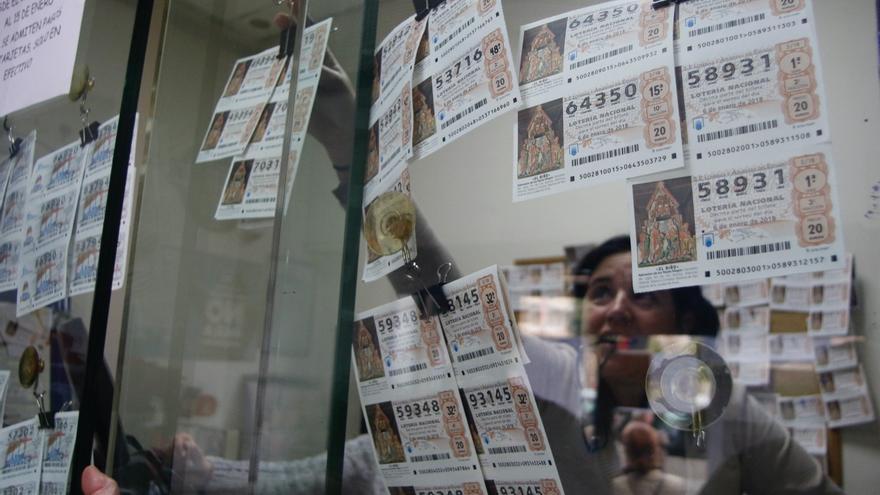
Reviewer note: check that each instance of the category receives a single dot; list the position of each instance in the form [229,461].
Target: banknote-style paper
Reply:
[812,438]
[479,329]
[510,437]
[252,79]
[12,214]
[91,211]
[850,410]
[801,410]
[835,353]
[749,319]
[608,112]
[738,218]
[52,200]
[711,23]
[411,401]
[22,445]
[394,349]
[251,188]
[377,266]
[759,95]
[58,453]
[466,76]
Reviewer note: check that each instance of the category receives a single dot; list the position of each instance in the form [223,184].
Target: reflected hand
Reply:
[187,461]
[94,482]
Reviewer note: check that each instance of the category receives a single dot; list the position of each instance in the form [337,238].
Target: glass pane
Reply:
[587,337]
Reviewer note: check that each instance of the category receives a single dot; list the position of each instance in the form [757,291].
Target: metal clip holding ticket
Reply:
[14,142]
[430,300]
[659,4]
[29,368]
[80,85]
[424,7]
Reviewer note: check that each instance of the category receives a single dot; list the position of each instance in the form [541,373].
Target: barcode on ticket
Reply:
[738,131]
[515,449]
[475,354]
[597,58]
[456,33]
[429,457]
[469,110]
[773,247]
[607,154]
[409,369]
[727,25]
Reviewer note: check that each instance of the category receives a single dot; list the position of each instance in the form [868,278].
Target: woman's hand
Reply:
[94,482]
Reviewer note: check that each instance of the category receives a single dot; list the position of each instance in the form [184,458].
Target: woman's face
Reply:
[611,308]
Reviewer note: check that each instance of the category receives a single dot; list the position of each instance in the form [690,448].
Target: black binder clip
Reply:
[430,300]
[80,86]
[424,7]
[14,142]
[659,4]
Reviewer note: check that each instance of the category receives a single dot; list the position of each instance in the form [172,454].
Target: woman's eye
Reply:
[599,294]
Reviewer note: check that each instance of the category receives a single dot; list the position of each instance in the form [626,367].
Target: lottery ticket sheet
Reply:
[238,111]
[376,266]
[835,353]
[411,401]
[52,201]
[92,208]
[600,99]
[464,75]
[251,187]
[814,439]
[12,214]
[58,453]
[737,218]
[800,410]
[845,395]
[22,446]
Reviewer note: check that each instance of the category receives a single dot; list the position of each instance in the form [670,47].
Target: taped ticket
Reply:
[736,219]
[12,215]
[467,77]
[609,112]
[754,96]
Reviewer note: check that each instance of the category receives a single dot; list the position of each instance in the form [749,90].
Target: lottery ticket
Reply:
[750,373]
[12,214]
[252,79]
[390,142]
[744,346]
[58,452]
[377,266]
[842,382]
[828,323]
[50,272]
[251,188]
[796,295]
[230,131]
[812,438]
[849,411]
[23,455]
[394,62]
[790,347]
[714,293]
[749,293]
[423,439]
[394,349]
[510,437]
[753,216]
[479,329]
[467,78]
[801,410]
[749,319]
[569,49]
[705,24]
[758,95]
[609,111]
[314,48]
[835,353]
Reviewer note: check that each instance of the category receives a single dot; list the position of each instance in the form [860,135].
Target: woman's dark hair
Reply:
[687,300]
